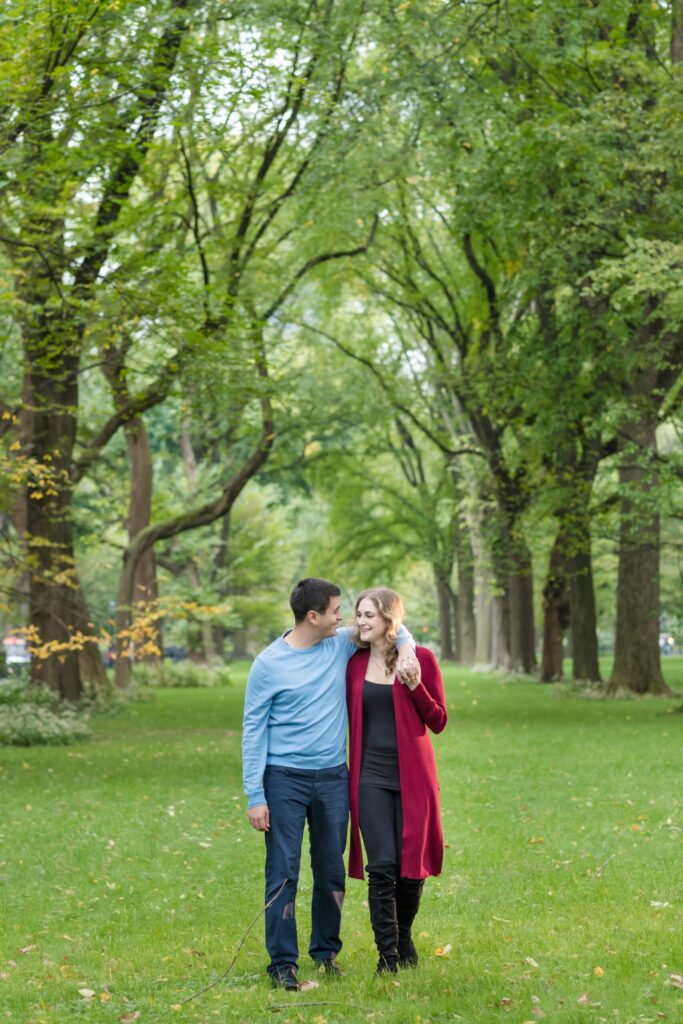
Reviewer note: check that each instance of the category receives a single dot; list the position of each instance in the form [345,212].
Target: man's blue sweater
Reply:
[295,708]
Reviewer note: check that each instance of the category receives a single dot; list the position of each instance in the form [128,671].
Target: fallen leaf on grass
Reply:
[584,999]
[4,975]
[538,1013]
[530,961]
[506,1002]
[443,950]
[598,972]
[104,997]
[306,986]
[536,839]
[27,949]
[676,980]
[128,1018]
[87,993]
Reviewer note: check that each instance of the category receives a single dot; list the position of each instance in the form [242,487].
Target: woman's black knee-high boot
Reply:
[382,901]
[408,894]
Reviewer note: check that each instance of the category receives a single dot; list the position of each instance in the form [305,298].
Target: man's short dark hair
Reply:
[311,595]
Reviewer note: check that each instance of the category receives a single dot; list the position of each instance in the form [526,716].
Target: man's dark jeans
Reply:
[295,796]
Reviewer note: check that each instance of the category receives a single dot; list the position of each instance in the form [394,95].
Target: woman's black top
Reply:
[379,760]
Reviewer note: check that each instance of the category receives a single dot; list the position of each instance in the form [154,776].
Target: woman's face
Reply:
[370,623]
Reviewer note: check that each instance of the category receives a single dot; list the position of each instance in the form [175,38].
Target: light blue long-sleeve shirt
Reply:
[295,708]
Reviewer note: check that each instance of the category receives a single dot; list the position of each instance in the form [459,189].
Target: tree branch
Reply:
[211,510]
[387,390]
[127,410]
[316,261]
[117,189]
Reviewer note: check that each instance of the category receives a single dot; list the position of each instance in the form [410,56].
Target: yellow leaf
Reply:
[443,950]
[598,972]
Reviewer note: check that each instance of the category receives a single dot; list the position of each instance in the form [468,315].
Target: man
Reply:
[294,760]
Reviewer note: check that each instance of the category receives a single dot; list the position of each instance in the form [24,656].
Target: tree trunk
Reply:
[220,560]
[146,590]
[521,605]
[219,638]
[239,643]
[483,598]
[443,593]
[208,649]
[582,613]
[57,608]
[483,606]
[636,646]
[90,665]
[499,654]
[20,503]
[465,621]
[555,609]
[677,32]
[513,643]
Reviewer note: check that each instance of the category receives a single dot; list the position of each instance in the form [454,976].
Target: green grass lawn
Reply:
[128,869]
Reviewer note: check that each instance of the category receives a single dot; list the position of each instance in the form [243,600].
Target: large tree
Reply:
[160,168]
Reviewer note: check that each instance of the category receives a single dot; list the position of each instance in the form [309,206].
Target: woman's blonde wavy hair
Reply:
[390,607]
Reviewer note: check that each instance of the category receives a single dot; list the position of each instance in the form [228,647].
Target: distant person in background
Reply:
[394,791]
[294,761]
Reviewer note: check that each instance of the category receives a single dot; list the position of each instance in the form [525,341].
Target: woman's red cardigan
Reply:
[415,710]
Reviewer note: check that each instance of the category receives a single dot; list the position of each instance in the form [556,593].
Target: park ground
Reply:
[129,874]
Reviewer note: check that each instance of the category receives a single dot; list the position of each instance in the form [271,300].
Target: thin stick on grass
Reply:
[598,870]
[300,1005]
[226,972]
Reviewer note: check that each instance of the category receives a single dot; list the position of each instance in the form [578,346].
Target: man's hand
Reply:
[259,817]
[408,667]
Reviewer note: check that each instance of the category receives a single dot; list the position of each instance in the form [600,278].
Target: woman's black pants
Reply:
[393,900]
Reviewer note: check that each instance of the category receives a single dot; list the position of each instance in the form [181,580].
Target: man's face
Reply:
[327,622]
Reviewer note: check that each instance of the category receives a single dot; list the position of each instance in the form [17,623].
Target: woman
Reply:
[394,792]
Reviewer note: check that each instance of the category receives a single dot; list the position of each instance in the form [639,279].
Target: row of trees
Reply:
[416,266]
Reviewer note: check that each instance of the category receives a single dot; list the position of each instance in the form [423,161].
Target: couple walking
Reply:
[294,758]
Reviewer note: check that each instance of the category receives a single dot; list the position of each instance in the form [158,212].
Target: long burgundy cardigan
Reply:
[415,710]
